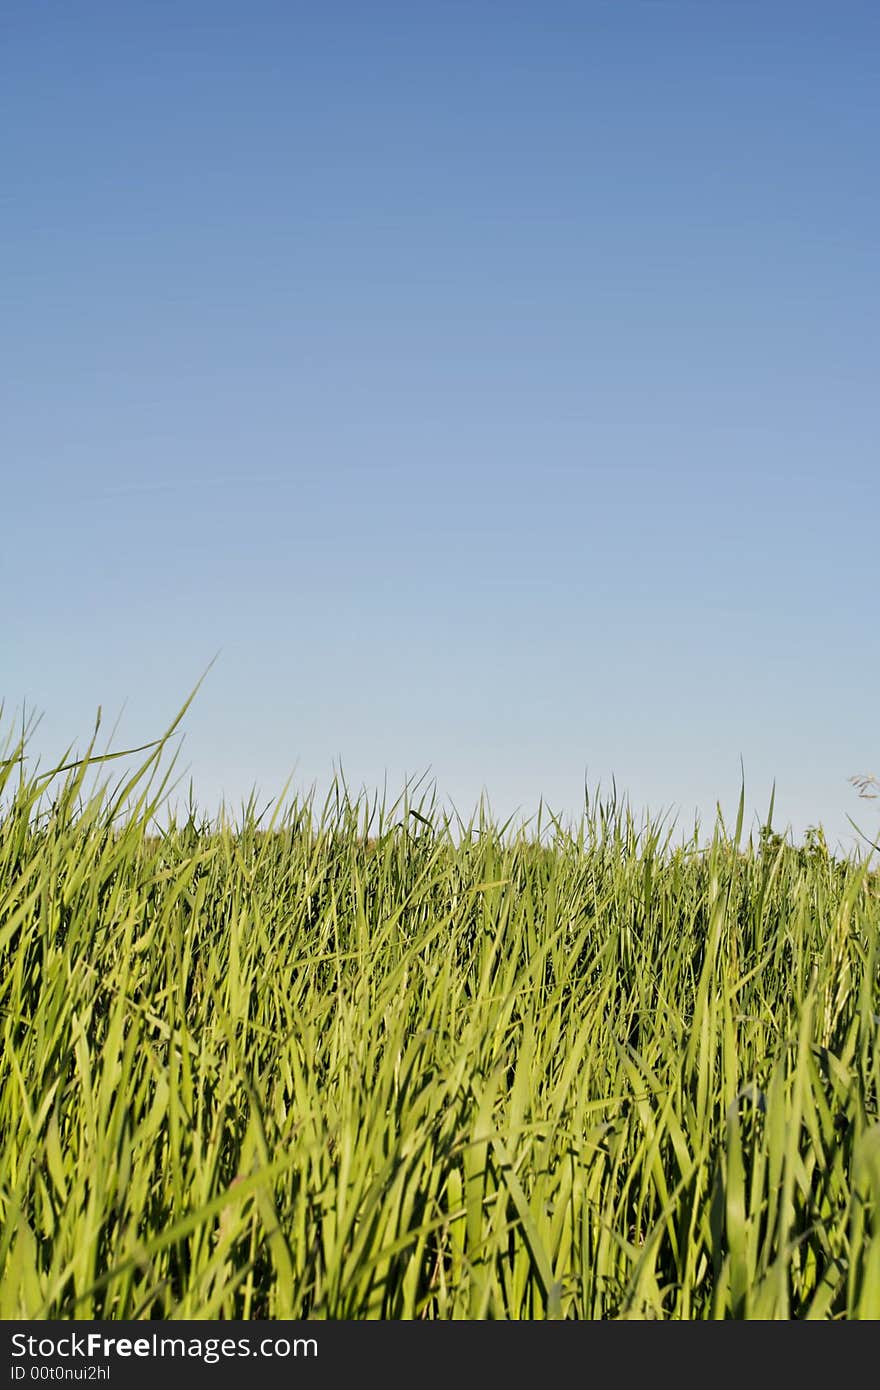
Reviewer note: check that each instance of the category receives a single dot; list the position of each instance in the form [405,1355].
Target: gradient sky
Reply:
[493,385]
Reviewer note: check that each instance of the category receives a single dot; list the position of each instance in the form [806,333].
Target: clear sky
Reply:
[493,385]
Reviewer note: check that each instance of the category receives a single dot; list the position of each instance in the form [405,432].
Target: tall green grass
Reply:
[356,1061]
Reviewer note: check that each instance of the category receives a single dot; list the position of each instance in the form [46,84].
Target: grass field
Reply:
[357,1062]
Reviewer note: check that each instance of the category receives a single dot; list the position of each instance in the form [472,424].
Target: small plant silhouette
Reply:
[867,785]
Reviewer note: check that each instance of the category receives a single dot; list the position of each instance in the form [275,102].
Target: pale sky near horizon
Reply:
[494,387]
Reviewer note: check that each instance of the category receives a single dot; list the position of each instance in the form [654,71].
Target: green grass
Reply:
[359,1062]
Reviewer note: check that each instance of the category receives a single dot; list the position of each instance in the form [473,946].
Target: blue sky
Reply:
[494,386]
